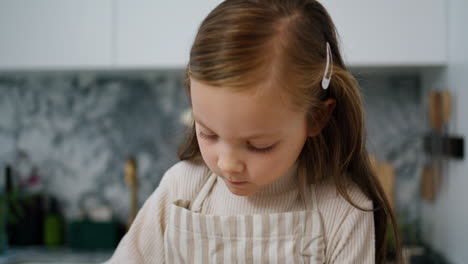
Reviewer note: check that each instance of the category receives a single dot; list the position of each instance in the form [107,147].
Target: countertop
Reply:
[42,255]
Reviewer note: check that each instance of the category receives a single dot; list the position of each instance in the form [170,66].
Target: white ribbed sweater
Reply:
[348,231]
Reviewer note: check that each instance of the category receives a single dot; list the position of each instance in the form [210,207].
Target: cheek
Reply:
[206,150]
[268,168]
[260,165]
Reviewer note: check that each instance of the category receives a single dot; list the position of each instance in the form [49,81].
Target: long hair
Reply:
[283,42]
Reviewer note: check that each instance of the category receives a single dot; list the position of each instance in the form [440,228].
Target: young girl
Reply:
[275,168]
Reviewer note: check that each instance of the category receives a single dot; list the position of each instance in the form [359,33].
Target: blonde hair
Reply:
[242,43]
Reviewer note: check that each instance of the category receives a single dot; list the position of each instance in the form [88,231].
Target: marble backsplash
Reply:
[78,129]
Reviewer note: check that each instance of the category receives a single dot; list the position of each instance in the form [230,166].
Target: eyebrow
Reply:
[258,135]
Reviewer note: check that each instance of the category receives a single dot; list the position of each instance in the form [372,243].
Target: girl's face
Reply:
[249,140]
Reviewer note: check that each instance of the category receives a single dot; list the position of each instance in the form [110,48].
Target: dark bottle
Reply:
[8,180]
[26,228]
[4,205]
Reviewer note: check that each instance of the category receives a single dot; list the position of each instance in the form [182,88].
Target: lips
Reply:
[236,183]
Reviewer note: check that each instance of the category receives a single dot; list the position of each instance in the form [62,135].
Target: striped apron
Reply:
[291,237]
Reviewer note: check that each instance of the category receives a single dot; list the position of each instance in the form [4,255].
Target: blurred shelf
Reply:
[43,255]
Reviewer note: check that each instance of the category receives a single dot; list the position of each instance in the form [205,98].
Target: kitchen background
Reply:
[72,112]
[79,129]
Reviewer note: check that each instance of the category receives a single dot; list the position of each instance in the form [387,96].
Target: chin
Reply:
[240,192]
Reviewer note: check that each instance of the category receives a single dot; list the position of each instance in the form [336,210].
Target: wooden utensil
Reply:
[132,180]
[430,181]
[439,115]
[439,109]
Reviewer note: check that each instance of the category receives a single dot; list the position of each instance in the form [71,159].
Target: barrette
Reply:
[328,67]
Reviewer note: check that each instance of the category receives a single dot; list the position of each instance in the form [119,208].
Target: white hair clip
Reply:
[328,67]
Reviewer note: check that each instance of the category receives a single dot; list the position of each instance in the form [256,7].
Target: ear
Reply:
[323,116]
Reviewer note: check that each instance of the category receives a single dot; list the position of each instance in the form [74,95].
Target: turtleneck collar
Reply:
[283,184]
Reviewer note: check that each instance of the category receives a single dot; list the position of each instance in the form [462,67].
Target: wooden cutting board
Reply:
[386,174]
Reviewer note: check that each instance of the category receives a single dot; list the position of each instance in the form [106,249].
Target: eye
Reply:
[250,147]
[203,135]
[261,150]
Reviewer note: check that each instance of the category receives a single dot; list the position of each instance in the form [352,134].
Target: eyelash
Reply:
[252,148]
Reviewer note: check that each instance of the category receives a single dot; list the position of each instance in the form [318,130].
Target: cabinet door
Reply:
[156,33]
[391,33]
[55,34]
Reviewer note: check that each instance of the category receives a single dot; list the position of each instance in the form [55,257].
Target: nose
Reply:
[229,163]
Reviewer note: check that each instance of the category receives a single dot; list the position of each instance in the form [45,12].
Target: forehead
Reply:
[240,114]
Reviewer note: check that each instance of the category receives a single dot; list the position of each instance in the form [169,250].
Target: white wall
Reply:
[445,221]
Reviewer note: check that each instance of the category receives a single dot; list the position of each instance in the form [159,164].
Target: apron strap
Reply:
[307,191]
[196,206]
[313,188]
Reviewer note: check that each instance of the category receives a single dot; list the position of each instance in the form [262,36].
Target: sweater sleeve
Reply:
[349,231]
[356,241]
[144,241]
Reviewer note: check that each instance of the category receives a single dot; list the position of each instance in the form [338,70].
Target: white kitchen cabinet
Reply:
[157,34]
[391,33]
[133,34]
[55,34]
